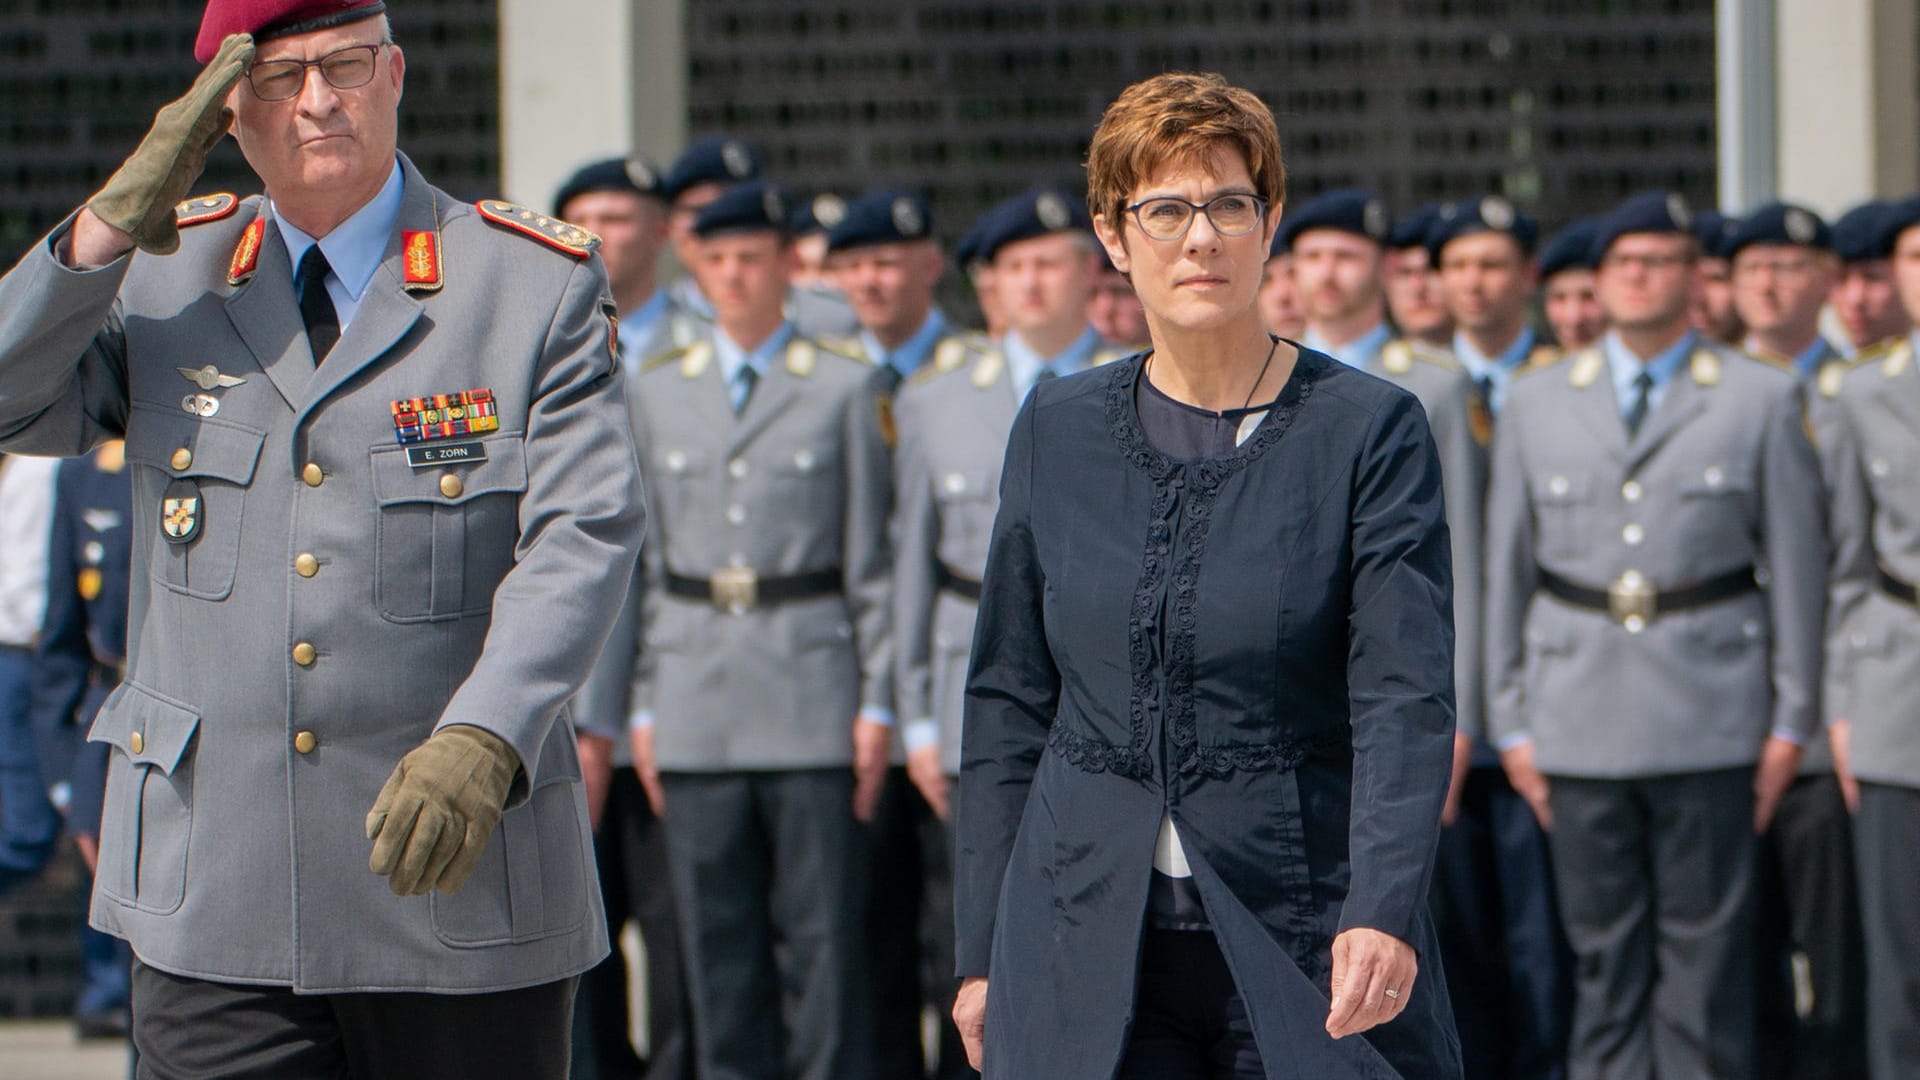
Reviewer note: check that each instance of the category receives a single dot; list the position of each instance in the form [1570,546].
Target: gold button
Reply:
[182,458]
[305,742]
[312,475]
[306,565]
[304,654]
[138,742]
[450,485]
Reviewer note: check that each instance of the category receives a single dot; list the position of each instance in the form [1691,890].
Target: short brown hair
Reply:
[1179,118]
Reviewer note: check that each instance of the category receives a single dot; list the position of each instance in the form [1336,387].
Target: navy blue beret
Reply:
[1713,228]
[1902,214]
[1353,210]
[747,207]
[711,159]
[1779,223]
[1570,249]
[890,216]
[1411,231]
[1647,212]
[1864,232]
[635,174]
[1490,213]
[1035,212]
[822,213]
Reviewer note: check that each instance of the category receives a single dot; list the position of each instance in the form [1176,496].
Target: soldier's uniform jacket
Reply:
[1873,645]
[330,605]
[1823,414]
[1720,477]
[796,484]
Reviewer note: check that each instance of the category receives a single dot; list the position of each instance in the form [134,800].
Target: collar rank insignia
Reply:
[420,260]
[246,255]
[445,416]
[180,512]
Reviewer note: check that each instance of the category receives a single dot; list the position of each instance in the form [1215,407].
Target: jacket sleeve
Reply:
[1511,576]
[1794,538]
[867,560]
[63,375]
[1463,476]
[1013,688]
[580,520]
[1400,674]
[915,586]
[62,658]
[1850,528]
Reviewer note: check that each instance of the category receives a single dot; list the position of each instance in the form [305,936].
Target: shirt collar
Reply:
[1024,364]
[911,353]
[1626,367]
[1356,353]
[1478,363]
[732,357]
[355,246]
[647,314]
[1807,364]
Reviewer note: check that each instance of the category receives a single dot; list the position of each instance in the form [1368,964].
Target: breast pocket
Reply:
[1563,519]
[809,475]
[1720,507]
[447,532]
[967,499]
[193,478]
[148,815]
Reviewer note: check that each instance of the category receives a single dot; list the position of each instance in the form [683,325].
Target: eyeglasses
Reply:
[1169,218]
[344,69]
[1620,260]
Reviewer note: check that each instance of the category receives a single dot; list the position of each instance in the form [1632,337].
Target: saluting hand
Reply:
[1373,975]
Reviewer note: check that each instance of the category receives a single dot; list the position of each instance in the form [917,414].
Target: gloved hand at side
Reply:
[432,820]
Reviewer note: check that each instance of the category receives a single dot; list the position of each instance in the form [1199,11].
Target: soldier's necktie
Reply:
[743,384]
[1637,412]
[316,307]
[1483,384]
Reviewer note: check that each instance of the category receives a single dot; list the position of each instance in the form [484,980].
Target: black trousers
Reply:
[1189,1022]
[1508,969]
[1812,959]
[770,878]
[631,848]
[192,1029]
[1887,839]
[1655,880]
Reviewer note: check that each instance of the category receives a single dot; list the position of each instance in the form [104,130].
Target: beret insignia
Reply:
[1052,211]
[829,210]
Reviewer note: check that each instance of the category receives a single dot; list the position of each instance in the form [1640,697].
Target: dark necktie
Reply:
[1637,412]
[316,307]
[1484,384]
[1044,374]
[743,381]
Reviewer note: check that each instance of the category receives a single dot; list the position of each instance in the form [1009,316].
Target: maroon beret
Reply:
[268,19]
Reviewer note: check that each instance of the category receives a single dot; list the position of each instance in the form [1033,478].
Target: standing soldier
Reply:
[1874,659]
[1505,955]
[1045,261]
[1571,305]
[1713,313]
[1414,299]
[29,823]
[623,202]
[1115,312]
[703,172]
[383,489]
[762,680]
[1649,699]
[1279,298]
[1866,298]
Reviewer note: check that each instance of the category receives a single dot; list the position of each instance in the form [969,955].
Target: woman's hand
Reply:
[970,1016]
[1373,975]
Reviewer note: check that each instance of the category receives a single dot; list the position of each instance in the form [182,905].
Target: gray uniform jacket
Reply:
[1719,477]
[1873,643]
[953,417]
[796,484]
[336,606]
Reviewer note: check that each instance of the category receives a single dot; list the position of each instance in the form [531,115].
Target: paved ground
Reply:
[46,1050]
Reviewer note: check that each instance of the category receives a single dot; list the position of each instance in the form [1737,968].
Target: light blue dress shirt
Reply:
[732,358]
[913,352]
[637,326]
[687,292]
[1498,370]
[1361,352]
[1626,367]
[353,249]
[1807,364]
[1024,364]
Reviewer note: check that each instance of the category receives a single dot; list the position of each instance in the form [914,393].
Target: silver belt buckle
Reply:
[735,589]
[1632,601]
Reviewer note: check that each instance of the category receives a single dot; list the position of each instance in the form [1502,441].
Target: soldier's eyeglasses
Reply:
[1169,218]
[344,69]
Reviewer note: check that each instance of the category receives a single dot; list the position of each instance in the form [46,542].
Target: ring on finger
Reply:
[1392,994]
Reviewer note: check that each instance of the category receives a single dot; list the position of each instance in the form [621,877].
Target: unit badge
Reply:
[180,515]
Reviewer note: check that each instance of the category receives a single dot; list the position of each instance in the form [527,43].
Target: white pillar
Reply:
[1849,106]
[1744,52]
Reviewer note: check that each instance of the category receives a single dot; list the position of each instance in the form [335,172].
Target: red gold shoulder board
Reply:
[204,209]
[550,231]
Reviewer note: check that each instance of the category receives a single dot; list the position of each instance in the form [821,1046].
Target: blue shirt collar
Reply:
[1625,367]
[644,316]
[732,357]
[1024,364]
[1807,364]
[1359,352]
[1478,364]
[355,246]
[912,352]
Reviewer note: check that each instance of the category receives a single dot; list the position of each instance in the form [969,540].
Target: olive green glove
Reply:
[432,820]
[139,198]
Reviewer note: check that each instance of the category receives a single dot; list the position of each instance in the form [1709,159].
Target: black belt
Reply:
[1903,591]
[1634,602]
[964,587]
[738,588]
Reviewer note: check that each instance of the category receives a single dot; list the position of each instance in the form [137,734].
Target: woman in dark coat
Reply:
[1209,721]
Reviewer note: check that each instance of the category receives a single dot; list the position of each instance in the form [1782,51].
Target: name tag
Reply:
[429,455]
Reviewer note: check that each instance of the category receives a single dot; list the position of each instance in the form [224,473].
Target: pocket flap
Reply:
[148,727]
[216,449]
[1715,480]
[504,470]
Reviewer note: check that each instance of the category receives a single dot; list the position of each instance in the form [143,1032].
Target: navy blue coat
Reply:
[1260,645]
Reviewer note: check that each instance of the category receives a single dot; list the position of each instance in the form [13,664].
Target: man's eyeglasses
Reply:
[344,69]
[1169,218]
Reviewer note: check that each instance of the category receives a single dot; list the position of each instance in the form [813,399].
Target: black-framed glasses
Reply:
[344,69]
[1168,217]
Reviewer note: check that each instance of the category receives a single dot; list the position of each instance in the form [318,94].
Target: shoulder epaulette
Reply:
[948,356]
[1397,356]
[827,346]
[1586,368]
[1542,356]
[987,369]
[1772,360]
[1103,357]
[1435,355]
[1897,359]
[1705,367]
[845,344]
[1834,372]
[664,357]
[551,231]
[206,208]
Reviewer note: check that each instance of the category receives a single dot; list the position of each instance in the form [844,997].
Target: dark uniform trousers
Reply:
[1648,938]
[1812,1023]
[192,1029]
[1887,840]
[910,936]
[749,852]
